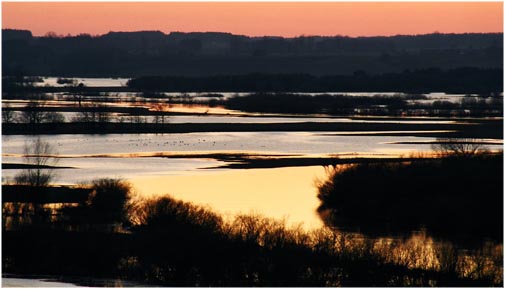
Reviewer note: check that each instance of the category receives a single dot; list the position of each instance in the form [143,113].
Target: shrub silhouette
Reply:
[174,243]
[108,205]
[454,147]
[191,246]
[109,200]
[166,213]
[454,198]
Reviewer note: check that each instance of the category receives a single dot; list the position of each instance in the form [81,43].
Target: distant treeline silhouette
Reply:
[460,80]
[338,104]
[204,54]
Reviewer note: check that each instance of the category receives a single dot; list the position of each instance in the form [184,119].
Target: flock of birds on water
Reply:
[178,143]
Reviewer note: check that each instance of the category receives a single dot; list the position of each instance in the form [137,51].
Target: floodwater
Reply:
[274,192]
[21,282]
[281,193]
[257,142]
[10,280]
[201,113]
[91,82]
[133,155]
[225,118]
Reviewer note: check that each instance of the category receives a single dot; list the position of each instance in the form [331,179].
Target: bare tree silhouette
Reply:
[39,155]
[458,147]
[8,115]
[33,113]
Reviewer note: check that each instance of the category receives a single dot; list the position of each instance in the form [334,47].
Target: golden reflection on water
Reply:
[423,252]
[291,193]
[278,193]
[201,109]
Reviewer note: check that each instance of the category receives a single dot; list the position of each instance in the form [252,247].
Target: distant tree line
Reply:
[204,54]
[460,80]
[341,104]
[37,112]
[32,113]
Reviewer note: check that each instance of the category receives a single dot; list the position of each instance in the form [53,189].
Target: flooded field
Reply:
[264,191]
[280,193]
[140,159]
[93,82]
[213,159]
[195,166]
[15,281]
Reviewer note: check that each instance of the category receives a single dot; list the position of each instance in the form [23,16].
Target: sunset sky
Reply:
[256,18]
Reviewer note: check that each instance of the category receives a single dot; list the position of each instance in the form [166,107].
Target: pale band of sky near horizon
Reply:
[288,19]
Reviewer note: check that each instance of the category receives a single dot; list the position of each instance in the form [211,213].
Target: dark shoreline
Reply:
[478,129]
[457,198]
[18,166]
[250,161]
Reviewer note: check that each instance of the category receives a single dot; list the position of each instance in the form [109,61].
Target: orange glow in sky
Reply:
[256,18]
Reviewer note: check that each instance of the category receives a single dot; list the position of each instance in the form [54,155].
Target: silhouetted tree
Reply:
[166,213]
[32,113]
[8,115]
[93,113]
[458,147]
[109,200]
[53,117]
[40,155]
[66,81]
[77,92]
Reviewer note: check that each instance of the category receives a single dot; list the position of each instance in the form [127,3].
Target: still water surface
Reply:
[263,142]
[281,193]
[276,192]
[132,155]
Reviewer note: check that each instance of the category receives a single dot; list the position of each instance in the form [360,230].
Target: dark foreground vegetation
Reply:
[103,230]
[166,242]
[457,197]
[258,252]
[172,243]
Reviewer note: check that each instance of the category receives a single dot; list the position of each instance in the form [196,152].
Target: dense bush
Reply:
[456,197]
[107,205]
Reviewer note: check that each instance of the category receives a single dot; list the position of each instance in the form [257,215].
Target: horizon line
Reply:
[56,35]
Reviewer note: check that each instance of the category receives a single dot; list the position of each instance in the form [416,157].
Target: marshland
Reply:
[321,195]
[252,179]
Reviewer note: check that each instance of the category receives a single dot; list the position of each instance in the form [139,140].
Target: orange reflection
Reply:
[184,108]
[279,193]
